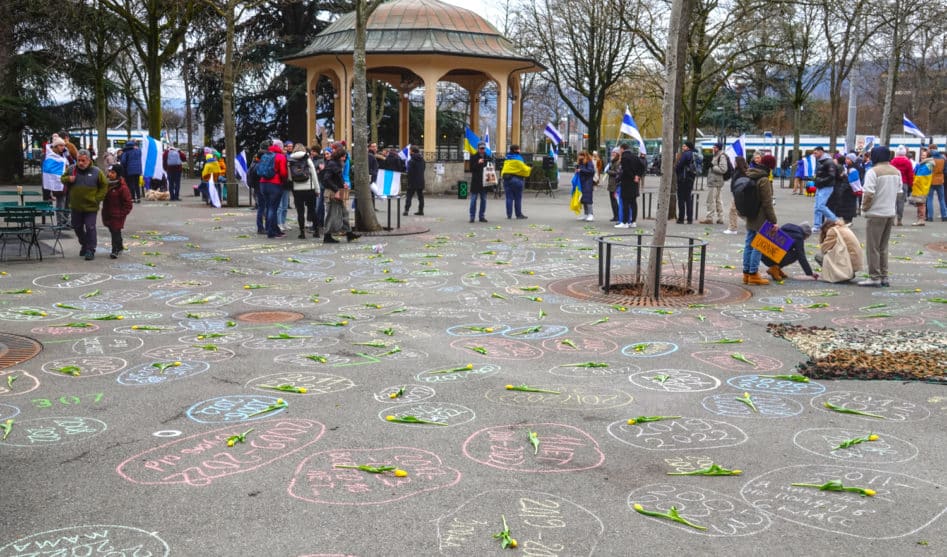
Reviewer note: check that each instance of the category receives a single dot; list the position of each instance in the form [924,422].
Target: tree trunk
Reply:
[11,121]
[676,51]
[891,81]
[230,135]
[365,219]
[154,98]
[188,116]
[101,116]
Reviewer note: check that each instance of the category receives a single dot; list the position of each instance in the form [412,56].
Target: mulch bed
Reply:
[868,354]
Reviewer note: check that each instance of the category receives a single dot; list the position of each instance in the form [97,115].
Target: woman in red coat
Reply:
[117,205]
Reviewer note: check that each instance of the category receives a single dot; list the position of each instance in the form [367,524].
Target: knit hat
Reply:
[689,144]
[769,161]
[57,141]
[117,168]
[902,151]
[880,153]
[806,228]
[265,145]
[278,144]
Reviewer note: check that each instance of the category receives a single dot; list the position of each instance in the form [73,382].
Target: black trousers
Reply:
[305,202]
[407,202]
[685,202]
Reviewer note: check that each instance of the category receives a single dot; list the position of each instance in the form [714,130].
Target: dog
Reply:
[155,195]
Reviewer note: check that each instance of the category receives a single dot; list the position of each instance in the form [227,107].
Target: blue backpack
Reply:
[266,168]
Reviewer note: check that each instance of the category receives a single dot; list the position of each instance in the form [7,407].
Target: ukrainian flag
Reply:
[470,141]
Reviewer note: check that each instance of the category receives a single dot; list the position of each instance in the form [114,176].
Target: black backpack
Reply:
[746,196]
[729,172]
[299,169]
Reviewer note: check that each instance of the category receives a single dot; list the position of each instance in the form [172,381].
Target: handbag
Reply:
[490,175]
[341,195]
[917,200]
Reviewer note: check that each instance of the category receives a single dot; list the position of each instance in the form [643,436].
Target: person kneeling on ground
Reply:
[840,253]
[797,253]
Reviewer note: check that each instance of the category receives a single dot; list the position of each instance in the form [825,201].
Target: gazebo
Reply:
[417,43]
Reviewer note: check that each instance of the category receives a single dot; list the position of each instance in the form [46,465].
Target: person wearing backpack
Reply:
[826,175]
[720,172]
[755,190]
[305,187]
[687,171]
[174,161]
[273,173]
[740,168]
[131,163]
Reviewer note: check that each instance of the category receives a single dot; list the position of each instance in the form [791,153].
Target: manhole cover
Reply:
[270,316]
[15,349]
[587,288]
[939,246]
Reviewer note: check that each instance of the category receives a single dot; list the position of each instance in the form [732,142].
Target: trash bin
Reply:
[461,190]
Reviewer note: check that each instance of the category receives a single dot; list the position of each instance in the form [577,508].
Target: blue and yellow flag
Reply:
[470,141]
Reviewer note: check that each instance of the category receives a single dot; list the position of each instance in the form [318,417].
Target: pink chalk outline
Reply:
[523,430]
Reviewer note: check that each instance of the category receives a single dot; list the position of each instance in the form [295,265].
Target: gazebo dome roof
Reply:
[416,27]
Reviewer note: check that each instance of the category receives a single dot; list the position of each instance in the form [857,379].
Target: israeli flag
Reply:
[388,184]
[54,166]
[151,161]
[553,134]
[405,153]
[486,139]
[241,167]
[736,149]
[910,128]
[212,192]
[809,165]
[629,127]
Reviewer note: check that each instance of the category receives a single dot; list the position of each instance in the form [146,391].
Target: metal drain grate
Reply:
[939,246]
[15,349]
[586,288]
[270,316]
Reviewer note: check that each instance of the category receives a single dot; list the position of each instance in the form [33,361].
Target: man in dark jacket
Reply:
[751,256]
[477,164]
[685,184]
[629,179]
[393,161]
[415,181]
[131,162]
[797,253]
[826,176]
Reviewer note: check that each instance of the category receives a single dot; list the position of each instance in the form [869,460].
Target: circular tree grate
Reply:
[270,316]
[15,349]
[587,288]
[939,246]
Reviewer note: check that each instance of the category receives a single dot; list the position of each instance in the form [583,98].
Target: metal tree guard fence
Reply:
[636,242]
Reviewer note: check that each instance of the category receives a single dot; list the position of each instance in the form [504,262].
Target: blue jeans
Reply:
[284,207]
[822,212]
[473,204]
[272,194]
[513,187]
[930,202]
[174,184]
[751,256]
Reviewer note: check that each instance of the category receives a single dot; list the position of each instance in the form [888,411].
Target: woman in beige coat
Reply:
[841,255]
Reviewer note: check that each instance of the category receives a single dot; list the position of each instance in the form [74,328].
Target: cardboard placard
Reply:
[772,242]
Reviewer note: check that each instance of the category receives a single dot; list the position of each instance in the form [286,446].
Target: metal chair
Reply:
[19,225]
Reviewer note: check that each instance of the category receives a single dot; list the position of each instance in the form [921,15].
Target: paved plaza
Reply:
[127,381]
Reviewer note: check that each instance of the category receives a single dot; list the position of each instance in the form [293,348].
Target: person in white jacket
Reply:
[54,166]
[306,188]
[879,200]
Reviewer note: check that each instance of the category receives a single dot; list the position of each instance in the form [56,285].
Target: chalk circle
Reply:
[302,341]
[229,337]
[497,348]
[148,330]
[167,433]
[529,332]
[657,312]
[726,360]
[766,316]
[504,316]
[148,374]
[887,449]
[148,278]
[411,394]
[621,329]
[89,366]
[70,280]
[197,303]
[649,349]
[677,381]
[312,359]
[767,406]
[588,309]
[477,329]
[233,408]
[61,331]
[721,515]
[188,283]
[581,397]
[788,302]
[757,384]
[126,316]
[893,409]
[441,412]
[301,260]
[315,383]
[584,346]
[562,448]
[318,478]
[22,384]
[60,430]
[848,514]
[90,305]
[209,324]
[190,352]
[595,372]
[99,346]
[8,411]
[279,301]
[380,330]
[80,540]
[541,523]
[454,373]
[31,313]
[197,314]
[678,434]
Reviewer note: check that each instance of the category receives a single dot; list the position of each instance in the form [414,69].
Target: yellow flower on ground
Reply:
[870,492]
[400,473]
[389,418]
[872,437]
[302,390]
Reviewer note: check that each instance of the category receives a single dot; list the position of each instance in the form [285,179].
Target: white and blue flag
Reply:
[151,161]
[486,140]
[629,127]
[388,184]
[552,133]
[911,128]
[241,167]
[736,149]
[54,166]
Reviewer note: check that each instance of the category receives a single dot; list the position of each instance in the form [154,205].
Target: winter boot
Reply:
[328,239]
[755,278]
